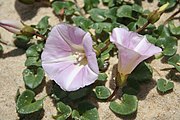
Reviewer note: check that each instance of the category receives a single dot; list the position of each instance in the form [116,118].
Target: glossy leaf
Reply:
[128,105]
[164,85]
[86,111]
[33,61]
[142,72]
[25,104]
[82,22]
[151,39]
[173,29]
[141,21]
[162,31]
[58,93]
[132,26]
[97,14]
[137,8]
[175,61]
[132,87]
[99,27]
[125,11]
[43,25]
[22,38]
[102,76]
[79,93]
[33,80]
[67,5]
[102,92]
[168,44]
[111,13]
[89,4]
[64,111]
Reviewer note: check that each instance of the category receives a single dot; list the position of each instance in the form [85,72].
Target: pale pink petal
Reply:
[11,26]
[60,63]
[132,49]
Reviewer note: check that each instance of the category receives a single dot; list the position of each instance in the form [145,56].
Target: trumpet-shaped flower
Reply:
[68,57]
[132,49]
[11,26]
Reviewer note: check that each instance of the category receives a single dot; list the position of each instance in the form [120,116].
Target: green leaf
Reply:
[33,61]
[132,26]
[164,85]
[175,61]
[67,5]
[43,25]
[102,76]
[97,14]
[173,29]
[132,87]
[64,111]
[142,72]
[168,44]
[111,13]
[82,22]
[1,48]
[79,93]
[25,104]
[137,8]
[162,31]
[172,3]
[125,11]
[128,105]
[33,80]
[58,93]
[102,92]
[32,52]
[99,27]
[151,39]
[141,21]
[89,4]
[86,111]
[22,38]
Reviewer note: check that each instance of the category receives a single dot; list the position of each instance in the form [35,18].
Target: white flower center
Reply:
[80,58]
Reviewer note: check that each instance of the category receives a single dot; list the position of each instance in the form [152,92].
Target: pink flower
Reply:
[132,49]
[11,26]
[68,57]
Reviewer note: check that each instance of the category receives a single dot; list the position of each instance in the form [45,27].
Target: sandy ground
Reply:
[152,106]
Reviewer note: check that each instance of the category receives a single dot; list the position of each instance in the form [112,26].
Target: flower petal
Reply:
[132,49]
[60,64]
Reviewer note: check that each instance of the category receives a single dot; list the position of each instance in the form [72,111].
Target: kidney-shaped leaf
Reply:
[25,104]
[102,92]
[164,85]
[32,80]
[97,14]
[125,11]
[64,111]
[128,105]
[86,111]
[175,61]
[141,73]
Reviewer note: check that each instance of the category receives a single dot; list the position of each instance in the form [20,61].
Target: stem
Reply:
[39,35]
[171,17]
[80,11]
[112,95]
[107,42]
[143,27]
[3,42]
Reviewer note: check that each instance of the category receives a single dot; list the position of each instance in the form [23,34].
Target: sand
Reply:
[152,105]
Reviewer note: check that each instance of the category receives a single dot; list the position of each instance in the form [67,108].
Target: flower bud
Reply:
[27,31]
[155,15]
[12,26]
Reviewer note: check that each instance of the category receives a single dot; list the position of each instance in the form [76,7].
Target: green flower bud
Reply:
[27,31]
[155,15]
